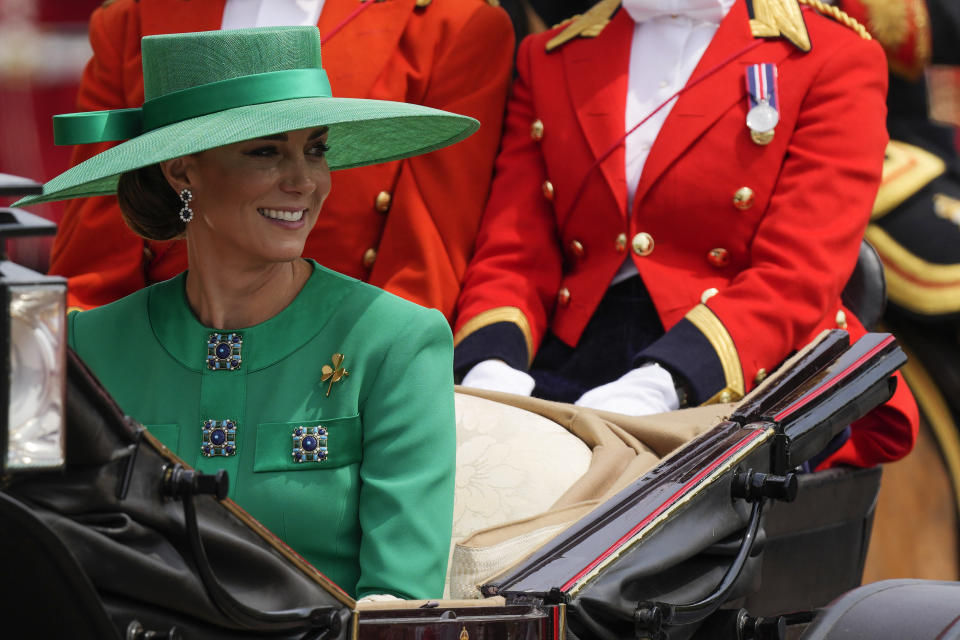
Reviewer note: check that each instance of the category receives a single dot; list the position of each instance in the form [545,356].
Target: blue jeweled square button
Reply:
[219,438]
[224,351]
[309,444]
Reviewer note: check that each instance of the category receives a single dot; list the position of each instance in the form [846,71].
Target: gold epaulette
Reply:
[588,25]
[840,16]
[906,170]
[923,287]
[565,21]
[779,18]
[902,27]
[775,18]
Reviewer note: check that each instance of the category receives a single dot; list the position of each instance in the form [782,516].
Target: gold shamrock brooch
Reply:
[336,373]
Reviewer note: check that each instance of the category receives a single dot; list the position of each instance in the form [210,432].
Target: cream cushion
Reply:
[511,465]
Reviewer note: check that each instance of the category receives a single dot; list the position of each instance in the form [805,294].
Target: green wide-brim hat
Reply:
[213,88]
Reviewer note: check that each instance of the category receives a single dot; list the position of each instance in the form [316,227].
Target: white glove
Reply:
[497,375]
[639,392]
[378,597]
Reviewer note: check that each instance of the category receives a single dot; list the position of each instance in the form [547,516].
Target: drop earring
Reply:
[186,213]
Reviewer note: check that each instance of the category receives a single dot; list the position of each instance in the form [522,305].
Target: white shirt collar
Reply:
[706,10]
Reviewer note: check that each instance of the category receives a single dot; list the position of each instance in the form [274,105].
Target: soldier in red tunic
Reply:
[678,264]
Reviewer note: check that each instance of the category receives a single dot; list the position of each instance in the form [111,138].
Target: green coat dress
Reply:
[375,515]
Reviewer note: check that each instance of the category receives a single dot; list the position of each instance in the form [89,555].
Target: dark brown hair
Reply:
[149,204]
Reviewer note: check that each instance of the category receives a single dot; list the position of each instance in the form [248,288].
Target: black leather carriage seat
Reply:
[866,292]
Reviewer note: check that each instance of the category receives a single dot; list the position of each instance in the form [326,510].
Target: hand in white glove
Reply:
[497,375]
[639,392]
[378,597]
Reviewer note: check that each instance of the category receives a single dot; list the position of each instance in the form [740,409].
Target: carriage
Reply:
[695,524]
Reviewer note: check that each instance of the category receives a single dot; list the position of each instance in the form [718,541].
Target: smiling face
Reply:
[255,200]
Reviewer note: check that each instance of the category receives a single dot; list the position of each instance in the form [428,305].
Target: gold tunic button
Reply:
[725,396]
[642,244]
[743,198]
[760,377]
[563,297]
[708,293]
[718,257]
[423,3]
[382,201]
[536,130]
[576,248]
[841,319]
[369,257]
[547,190]
[621,243]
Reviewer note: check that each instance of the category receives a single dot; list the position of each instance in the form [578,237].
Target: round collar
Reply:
[185,338]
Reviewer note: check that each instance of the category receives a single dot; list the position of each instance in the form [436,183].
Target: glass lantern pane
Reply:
[37,376]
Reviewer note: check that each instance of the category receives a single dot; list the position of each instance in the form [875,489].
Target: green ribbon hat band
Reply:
[123,124]
[97,126]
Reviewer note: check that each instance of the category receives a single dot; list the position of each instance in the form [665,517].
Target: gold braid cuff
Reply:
[492,316]
[914,283]
[713,330]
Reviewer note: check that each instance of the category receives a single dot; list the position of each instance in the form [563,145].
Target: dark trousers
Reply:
[624,324]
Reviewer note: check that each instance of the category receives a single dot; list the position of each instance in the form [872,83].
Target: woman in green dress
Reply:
[328,401]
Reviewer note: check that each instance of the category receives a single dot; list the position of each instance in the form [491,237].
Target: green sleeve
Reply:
[409,461]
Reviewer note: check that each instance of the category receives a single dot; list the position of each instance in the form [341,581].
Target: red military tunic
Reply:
[406,226]
[744,248]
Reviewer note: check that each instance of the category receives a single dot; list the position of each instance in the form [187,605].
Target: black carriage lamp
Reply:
[32,347]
